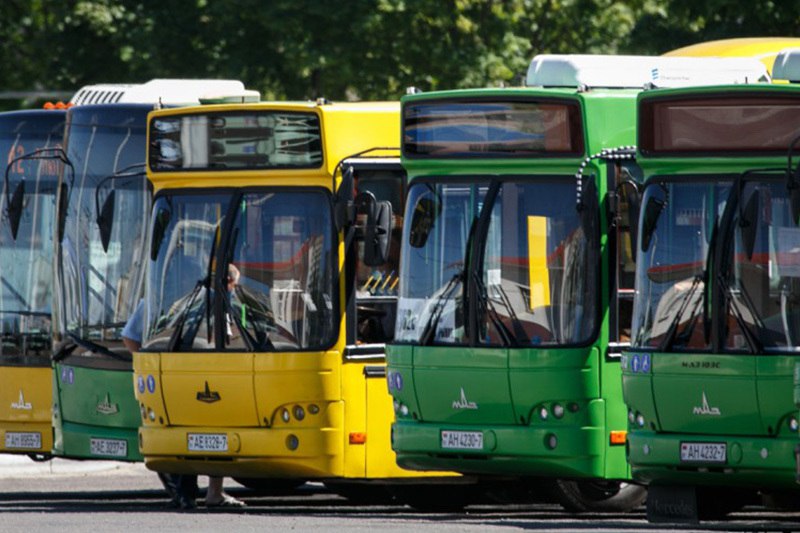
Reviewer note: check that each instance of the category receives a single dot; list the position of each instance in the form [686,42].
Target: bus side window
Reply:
[377,287]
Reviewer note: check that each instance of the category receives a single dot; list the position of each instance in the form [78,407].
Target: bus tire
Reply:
[270,486]
[446,498]
[598,496]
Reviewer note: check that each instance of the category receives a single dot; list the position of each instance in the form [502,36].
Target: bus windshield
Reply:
[678,221]
[277,289]
[539,272]
[101,286]
[763,284]
[25,293]
[534,283]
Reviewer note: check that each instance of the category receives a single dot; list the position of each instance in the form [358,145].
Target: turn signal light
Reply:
[358,438]
[618,437]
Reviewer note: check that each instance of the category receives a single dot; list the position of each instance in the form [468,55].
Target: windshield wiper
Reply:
[252,343]
[426,337]
[95,347]
[177,333]
[487,307]
[671,334]
[752,340]
[14,292]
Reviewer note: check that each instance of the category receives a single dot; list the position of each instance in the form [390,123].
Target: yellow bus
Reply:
[263,346]
[765,49]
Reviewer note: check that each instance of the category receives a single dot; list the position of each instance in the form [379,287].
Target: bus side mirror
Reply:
[425,213]
[105,219]
[15,207]
[652,210]
[794,203]
[377,229]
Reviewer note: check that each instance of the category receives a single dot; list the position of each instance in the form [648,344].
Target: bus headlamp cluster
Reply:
[298,412]
[400,408]
[147,413]
[557,410]
[636,419]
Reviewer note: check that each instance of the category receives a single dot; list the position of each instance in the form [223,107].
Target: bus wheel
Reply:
[447,498]
[270,486]
[361,493]
[599,496]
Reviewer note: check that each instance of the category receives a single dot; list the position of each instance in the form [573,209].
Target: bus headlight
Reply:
[285,415]
[299,413]
[558,410]
[543,413]
[793,424]
[640,420]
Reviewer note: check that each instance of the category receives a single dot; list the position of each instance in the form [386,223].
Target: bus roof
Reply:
[787,65]
[164,91]
[550,70]
[765,49]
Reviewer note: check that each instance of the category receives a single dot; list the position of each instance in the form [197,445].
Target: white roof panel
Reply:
[787,65]
[165,91]
[636,72]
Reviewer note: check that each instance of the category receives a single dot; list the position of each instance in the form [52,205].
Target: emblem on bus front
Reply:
[105,407]
[463,403]
[706,409]
[208,396]
[21,404]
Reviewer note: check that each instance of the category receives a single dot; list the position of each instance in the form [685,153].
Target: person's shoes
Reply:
[227,502]
[186,504]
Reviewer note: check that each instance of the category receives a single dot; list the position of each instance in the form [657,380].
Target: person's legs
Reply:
[216,497]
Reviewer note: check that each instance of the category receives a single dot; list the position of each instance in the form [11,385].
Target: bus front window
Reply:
[101,286]
[676,229]
[762,289]
[282,248]
[439,220]
[185,234]
[539,272]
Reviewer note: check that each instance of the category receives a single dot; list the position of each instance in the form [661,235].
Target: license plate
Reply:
[704,452]
[462,440]
[208,442]
[27,441]
[109,447]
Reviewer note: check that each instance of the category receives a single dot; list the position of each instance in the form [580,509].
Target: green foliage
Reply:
[353,49]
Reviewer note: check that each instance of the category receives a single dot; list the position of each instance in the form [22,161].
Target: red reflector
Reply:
[358,438]
[619,437]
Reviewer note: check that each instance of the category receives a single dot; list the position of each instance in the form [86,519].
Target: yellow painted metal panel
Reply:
[762,48]
[539,275]
[26,396]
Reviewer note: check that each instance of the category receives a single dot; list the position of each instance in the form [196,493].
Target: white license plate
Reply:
[704,452]
[27,441]
[109,447]
[208,442]
[462,440]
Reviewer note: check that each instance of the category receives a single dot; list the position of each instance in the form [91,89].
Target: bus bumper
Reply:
[80,441]
[750,462]
[563,452]
[26,438]
[304,453]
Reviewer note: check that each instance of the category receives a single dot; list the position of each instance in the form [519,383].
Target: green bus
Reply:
[516,283]
[102,215]
[716,323]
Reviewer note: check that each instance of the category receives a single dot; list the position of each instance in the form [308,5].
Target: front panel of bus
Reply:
[708,380]
[103,213]
[244,369]
[500,350]
[26,277]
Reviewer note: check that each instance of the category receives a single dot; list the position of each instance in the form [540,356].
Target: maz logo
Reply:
[105,407]
[706,409]
[21,404]
[208,396]
[463,403]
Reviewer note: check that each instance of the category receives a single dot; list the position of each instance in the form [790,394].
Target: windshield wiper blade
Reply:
[63,351]
[672,330]
[177,333]
[426,337]
[487,306]
[95,347]
[250,341]
[752,340]
[14,292]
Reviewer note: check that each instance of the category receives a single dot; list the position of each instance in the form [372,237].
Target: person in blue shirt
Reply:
[182,487]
